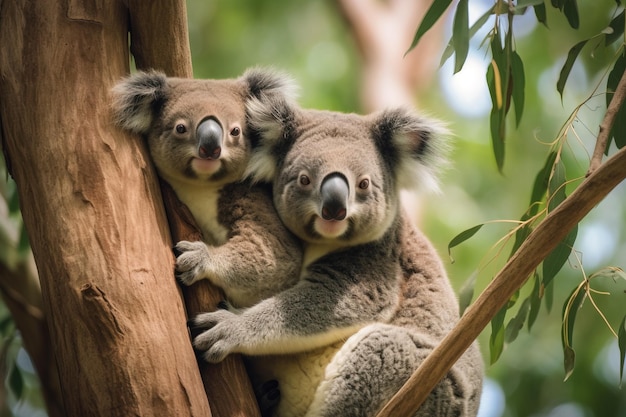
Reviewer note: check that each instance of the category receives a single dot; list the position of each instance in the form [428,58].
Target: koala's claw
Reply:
[177,252]
[191,261]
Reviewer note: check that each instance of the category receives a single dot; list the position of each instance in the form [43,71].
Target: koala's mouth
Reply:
[330,229]
[205,166]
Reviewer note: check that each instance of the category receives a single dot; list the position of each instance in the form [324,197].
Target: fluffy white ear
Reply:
[135,97]
[264,83]
[419,147]
[271,121]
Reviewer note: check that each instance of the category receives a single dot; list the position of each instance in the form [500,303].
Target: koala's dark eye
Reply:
[235,131]
[181,128]
[304,180]
[364,184]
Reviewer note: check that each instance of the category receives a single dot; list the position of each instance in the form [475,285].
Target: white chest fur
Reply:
[203,204]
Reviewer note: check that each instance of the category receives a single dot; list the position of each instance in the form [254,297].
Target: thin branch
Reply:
[607,124]
[513,275]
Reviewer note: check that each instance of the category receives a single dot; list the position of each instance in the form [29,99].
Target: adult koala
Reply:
[373,299]
[198,139]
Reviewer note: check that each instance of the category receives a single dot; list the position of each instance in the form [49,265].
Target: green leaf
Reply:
[540,13]
[548,295]
[535,302]
[462,237]
[556,186]
[466,293]
[526,3]
[16,382]
[497,77]
[496,118]
[447,53]
[521,234]
[460,34]
[496,340]
[569,63]
[7,325]
[557,258]
[621,341]
[617,29]
[541,182]
[517,323]
[570,308]
[558,4]
[570,9]
[569,360]
[618,131]
[430,18]
[519,83]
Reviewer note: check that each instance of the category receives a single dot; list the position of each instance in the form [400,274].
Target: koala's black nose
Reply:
[210,134]
[334,192]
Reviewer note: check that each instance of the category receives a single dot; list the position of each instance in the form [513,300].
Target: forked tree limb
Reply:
[541,241]
[607,124]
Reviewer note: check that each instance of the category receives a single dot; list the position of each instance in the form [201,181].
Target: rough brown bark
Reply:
[91,203]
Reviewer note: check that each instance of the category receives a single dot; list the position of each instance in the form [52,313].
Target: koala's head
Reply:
[337,176]
[195,129]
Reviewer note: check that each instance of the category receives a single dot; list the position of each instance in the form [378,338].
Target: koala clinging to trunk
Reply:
[198,139]
[373,299]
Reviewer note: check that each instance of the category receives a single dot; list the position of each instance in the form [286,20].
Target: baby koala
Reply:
[198,139]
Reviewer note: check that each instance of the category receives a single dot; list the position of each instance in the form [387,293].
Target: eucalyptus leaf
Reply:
[617,29]
[570,9]
[519,84]
[535,302]
[526,3]
[556,186]
[517,323]
[548,295]
[555,260]
[541,182]
[436,9]
[16,382]
[447,53]
[569,63]
[618,131]
[569,361]
[570,308]
[497,115]
[462,237]
[540,13]
[496,340]
[466,293]
[460,34]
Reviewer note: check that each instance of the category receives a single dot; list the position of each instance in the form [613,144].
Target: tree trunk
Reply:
[91,202]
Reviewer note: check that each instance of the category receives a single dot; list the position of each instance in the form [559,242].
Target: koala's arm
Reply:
[339,294]
[260,257]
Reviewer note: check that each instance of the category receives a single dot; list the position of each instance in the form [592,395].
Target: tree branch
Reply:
[513,275]
[607,124]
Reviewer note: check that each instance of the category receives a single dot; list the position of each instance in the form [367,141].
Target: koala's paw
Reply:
[192,261]
[222,336]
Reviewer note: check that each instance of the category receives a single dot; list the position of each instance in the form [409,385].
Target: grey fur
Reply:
[373,299]
[247,251]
